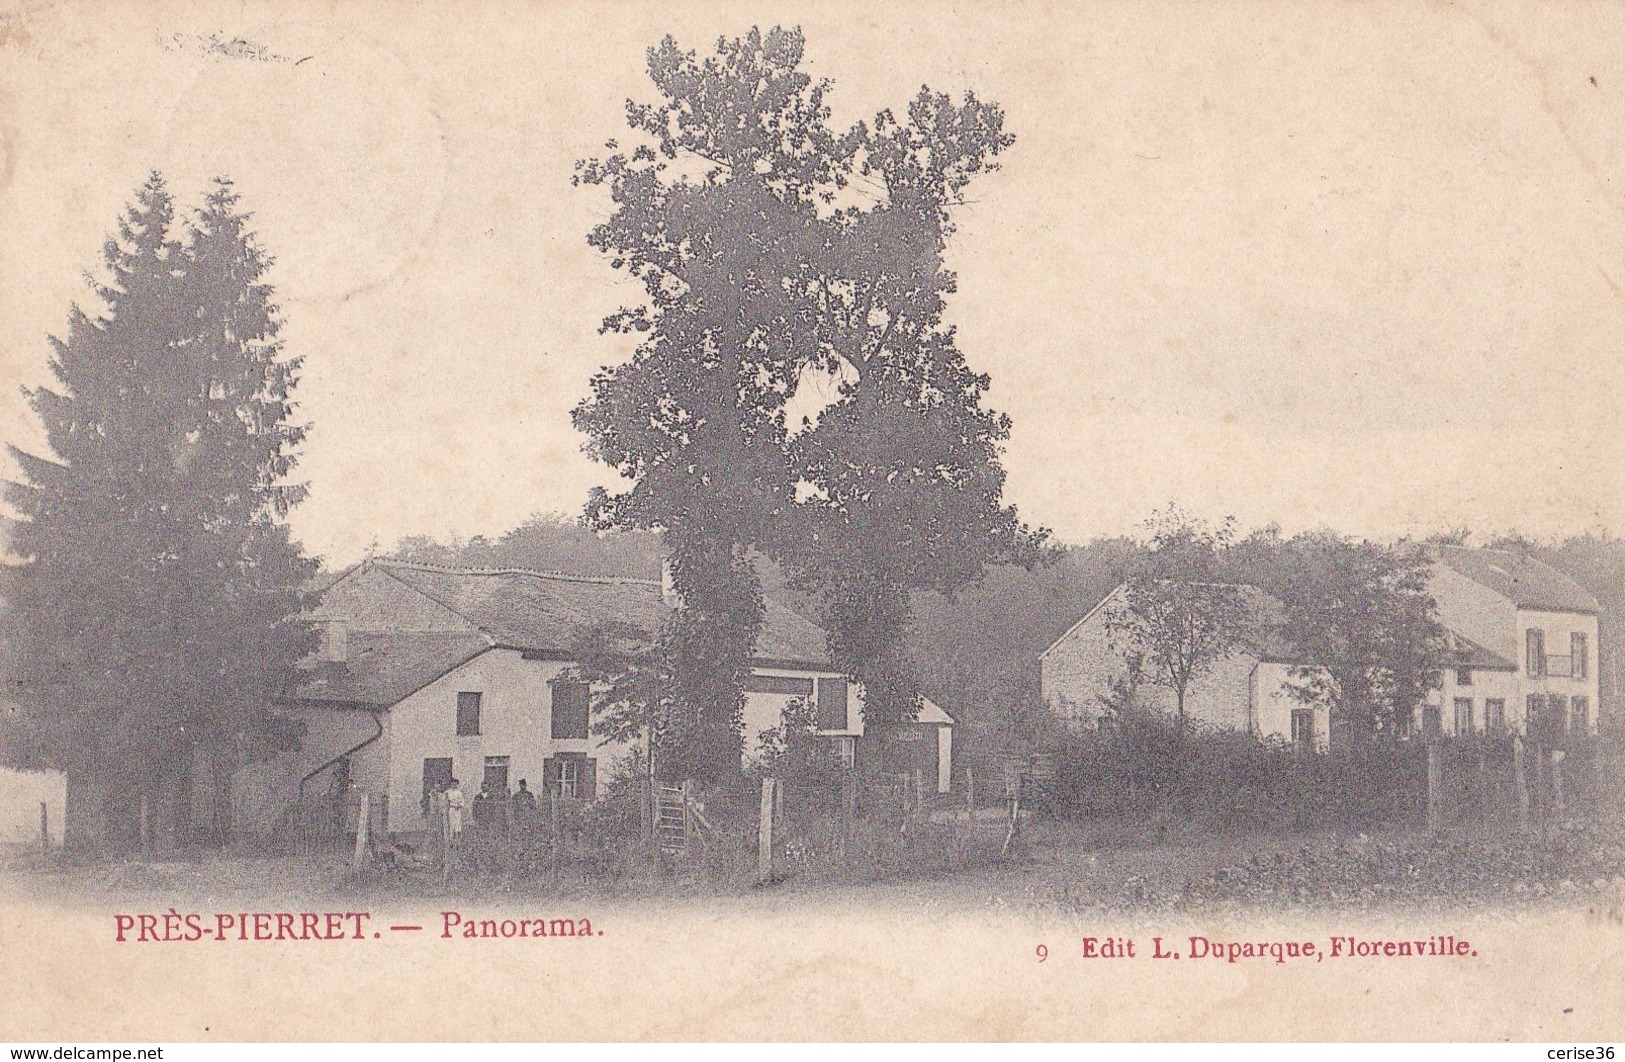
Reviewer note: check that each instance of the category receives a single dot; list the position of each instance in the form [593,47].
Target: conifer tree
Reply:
[156,614]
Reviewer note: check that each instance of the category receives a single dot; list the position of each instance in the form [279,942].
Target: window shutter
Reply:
[587,784]
[570,710]
[468,714]
[832,703]
[1535,644]
[1579,652]
[550,775]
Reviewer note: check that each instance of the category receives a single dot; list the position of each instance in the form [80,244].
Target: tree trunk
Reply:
[84,819]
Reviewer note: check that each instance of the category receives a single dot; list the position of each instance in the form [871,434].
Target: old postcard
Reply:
[556,521]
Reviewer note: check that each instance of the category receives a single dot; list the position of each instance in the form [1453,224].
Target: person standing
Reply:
[454,814]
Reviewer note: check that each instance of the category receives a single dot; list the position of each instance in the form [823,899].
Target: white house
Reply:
[1247,689]
[1531,635]
[1521,642]
[429,673]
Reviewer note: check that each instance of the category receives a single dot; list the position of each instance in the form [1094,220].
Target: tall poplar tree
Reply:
[156,614]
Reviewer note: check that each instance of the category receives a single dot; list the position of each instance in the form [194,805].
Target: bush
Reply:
[1146,768]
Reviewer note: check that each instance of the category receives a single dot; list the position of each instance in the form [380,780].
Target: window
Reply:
[1580,715]
[436,775]
[1535,655]
[1495,715]
[832,703]
[1303,727]
[570,703]
[468,714]
[1431,725]
[495,781]
[571,775]
[1464,676]
[1464,715]
[1580,656]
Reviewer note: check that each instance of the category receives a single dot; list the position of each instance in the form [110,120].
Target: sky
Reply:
[1316,264]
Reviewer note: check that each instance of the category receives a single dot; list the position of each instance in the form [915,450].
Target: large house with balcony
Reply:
[1521,642]
[428,673]
[1528,637]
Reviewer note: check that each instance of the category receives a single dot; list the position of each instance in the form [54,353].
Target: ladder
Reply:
[672,828]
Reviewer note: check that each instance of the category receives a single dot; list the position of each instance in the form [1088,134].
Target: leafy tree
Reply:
[743,215]
[1178,618]
[547,542]
[1360,612]
[157,611]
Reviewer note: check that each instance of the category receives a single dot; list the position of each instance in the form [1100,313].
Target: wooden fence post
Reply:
[1015,822]
[1520,781]
[849,809]
[1557,783]
[1433,787]
[363,826]
[651,808]
[146,826]
[970,795]
[44,828]
[553,806]
[764,832]
[688,817]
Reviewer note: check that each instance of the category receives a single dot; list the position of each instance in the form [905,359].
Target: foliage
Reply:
[1361,614]
[545,542]
[158,607]
[799,757]
[1177,619]
[762,273]
[622,664]
[1149,767]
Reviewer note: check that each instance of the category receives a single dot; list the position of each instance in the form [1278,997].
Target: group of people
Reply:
[492,807]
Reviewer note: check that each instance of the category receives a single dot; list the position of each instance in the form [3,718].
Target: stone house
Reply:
[428,673]
[1520,638]
[1247,689]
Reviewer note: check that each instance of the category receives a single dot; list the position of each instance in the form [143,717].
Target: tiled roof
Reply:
[1521,579]
[525,609]
[382,668]
[1464,652]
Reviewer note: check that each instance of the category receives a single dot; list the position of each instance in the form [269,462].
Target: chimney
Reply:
[668,585]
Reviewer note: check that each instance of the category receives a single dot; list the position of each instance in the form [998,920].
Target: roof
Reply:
[1464,652]
[1521,579]
[520,608]
[1266,636]
[383,668]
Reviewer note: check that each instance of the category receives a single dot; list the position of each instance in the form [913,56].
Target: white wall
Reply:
[1078,670]
[1558,626]
[1273,703]
[515,721]
[764,710]
[1485,685]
